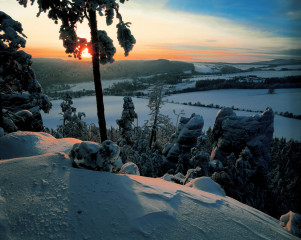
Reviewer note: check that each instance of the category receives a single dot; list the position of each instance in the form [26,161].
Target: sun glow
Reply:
[86,54]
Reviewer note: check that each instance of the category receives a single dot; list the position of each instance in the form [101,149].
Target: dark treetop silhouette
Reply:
[72,12]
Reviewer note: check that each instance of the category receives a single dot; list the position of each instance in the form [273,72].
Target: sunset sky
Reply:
[188,30]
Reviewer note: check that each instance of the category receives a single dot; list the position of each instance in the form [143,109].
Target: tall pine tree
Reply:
[70,13]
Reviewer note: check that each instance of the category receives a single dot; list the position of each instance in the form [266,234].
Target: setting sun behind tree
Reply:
[86,54]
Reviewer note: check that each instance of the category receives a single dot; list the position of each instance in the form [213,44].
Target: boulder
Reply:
[130,168]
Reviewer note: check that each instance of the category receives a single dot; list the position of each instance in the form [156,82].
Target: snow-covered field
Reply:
[255,99]
[90,85]
[204,67]
[284,127]
[262,74]
[43,197]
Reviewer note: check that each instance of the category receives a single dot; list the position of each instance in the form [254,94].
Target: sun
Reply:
[86,54]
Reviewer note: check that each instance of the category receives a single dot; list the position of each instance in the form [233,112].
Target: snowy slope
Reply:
[43,197]
[25,144]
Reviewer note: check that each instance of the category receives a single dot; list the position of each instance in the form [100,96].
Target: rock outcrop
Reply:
[242,145]
[178,149]
[233,133]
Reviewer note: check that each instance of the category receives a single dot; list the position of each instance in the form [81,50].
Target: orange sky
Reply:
[160,33]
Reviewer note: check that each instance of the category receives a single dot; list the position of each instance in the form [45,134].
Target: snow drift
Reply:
[44,197]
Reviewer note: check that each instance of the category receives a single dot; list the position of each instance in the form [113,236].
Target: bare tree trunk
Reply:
[97,77]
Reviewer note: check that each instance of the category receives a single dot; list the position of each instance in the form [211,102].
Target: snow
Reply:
[256,99]
[26,144]
[44,197]
[284,127]
[91,155]
[206,184]
[216,67]
[206,68]
[262,74]
[129,168]
[90,85]
[248,66]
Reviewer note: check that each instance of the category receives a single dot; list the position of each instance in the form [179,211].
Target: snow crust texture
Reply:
[44,197]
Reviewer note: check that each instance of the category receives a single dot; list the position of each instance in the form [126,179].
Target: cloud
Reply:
[294,14]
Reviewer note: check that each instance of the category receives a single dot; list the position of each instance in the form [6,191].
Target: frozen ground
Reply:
[255,99]
[206,67]
[284,127]
[215,67]
[43,197]
[90,85]
[262,74]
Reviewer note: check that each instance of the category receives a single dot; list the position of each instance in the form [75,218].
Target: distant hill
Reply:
[279,62]
[52,71]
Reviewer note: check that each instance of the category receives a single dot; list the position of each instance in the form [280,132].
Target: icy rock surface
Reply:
[130,168]
[185,137]
[292,222]
[206,184]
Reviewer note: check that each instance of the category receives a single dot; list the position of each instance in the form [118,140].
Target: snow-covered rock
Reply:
[130,168]
[26,144]
[86,154]
[206,184]
[292,222]
[44,197]
[96,156]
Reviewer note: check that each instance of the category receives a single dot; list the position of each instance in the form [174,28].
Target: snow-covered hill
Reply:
[43,197]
